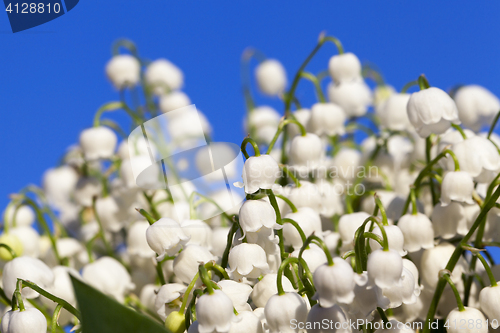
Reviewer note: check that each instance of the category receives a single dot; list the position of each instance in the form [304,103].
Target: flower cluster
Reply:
[410,244]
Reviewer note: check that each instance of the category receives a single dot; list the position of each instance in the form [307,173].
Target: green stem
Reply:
[280,129]
[203,273]
[234,227]
[8,248]
[159,273]
[493,124]
[414,209]
[297,226]
[423,83]
[147,216]
[128,44]
[55,317]
[382,315]
[311,77]
[321,244]
[290,174]
[458,128]
[375,237]
[188,291]
[487,268]
[284,264]
[446,277]
[382,210]
[288,202]
[108,247]
[408,86]
[211,265]
[71,309]
[154,212]
[279,233]
[254,145]
[111,106]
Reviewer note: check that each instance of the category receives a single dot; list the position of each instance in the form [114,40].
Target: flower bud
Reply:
[281,310]
[163,76]
[263,120]
[457,186]
[175,322]
[58,184]
[24,216]
[30,320]
[385,268]
[29,238]
[432,111]
[257,214]
[470,315]
[107,275]
[14,243]
[271,77]
[342,291]
[314,256]
[110,214]
[198,231]
[265,288]
[327,119]
[165,237]
[353,97]
[98,142]
[214,312]
[418,232]
[123,71]
[302,116]
[476,106]
[247,260]
[260,172]
[344,67]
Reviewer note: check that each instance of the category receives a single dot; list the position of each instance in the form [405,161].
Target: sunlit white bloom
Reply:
[471,315]
[418,232]
[247,322]
[98,142]
[395,238]
[260,172]
[173,101]
[166,237]
[434,260]
[457,186]
[314,256]
[30,320]
[271,77]
[326,119]
[163,76]
[449,220]
[306,151]
[385,268]
[344,67]
[110,214]
[266,288]
[257,214]
[107,275]
[334,315]
[346,162]
[187,261]
[348,224]
[137,243]
[308,220]
[489,300]
[247,260]
[393,114]
[29,269]
[214,313]
[280,310]
[342,291]
[476,106]
[263,121]
[432,111]
[238,293]
[123,71]
[87,188]
[29,238]
[58,183]
[302,116]
[198,231]
[167,294]
[353,97]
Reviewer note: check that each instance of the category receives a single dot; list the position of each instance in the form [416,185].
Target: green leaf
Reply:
[101,313]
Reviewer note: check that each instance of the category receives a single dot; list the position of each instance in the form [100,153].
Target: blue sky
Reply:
[52,77]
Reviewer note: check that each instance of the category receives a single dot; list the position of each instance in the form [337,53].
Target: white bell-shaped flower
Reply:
[257,214]
[123,71]
[166,237]
[457,186]
[187,261]
[167,294]
[314,256]
[353,97]
[385,268]
[173,101]
[307,195]
[434,260]
[264,121]
[260,172]
[395,238]
[238,293]
[98,142]
[470,315]
[29,238]
[271,77]
[476,106]
[198,231]
[418,232]
[342,291]
[163,76]
[214,313]
[327,319]
[348,224]
[449,220]
[58,184]
[266,287]
[308,220]
[404,293]
[219,240]
[326,119]
[431,111]
[393,114]
[107,275]
[489,300]
[137,244]
[282,310]
[477,156]
[345,163]
[247,260]
[24,216]
[110,214]
[331,200]
[344,67]
[306,151]
[365,298]
[30,320]
[29,269]
[247,322]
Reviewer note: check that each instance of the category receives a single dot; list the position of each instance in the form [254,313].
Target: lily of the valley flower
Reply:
[457,186]
[271,77]
[123,71]
[281,310]
[30,320]
[98,142]
[260,172]
[342,291]
[257,214]
[214,313]
[247,260]
[166,237]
